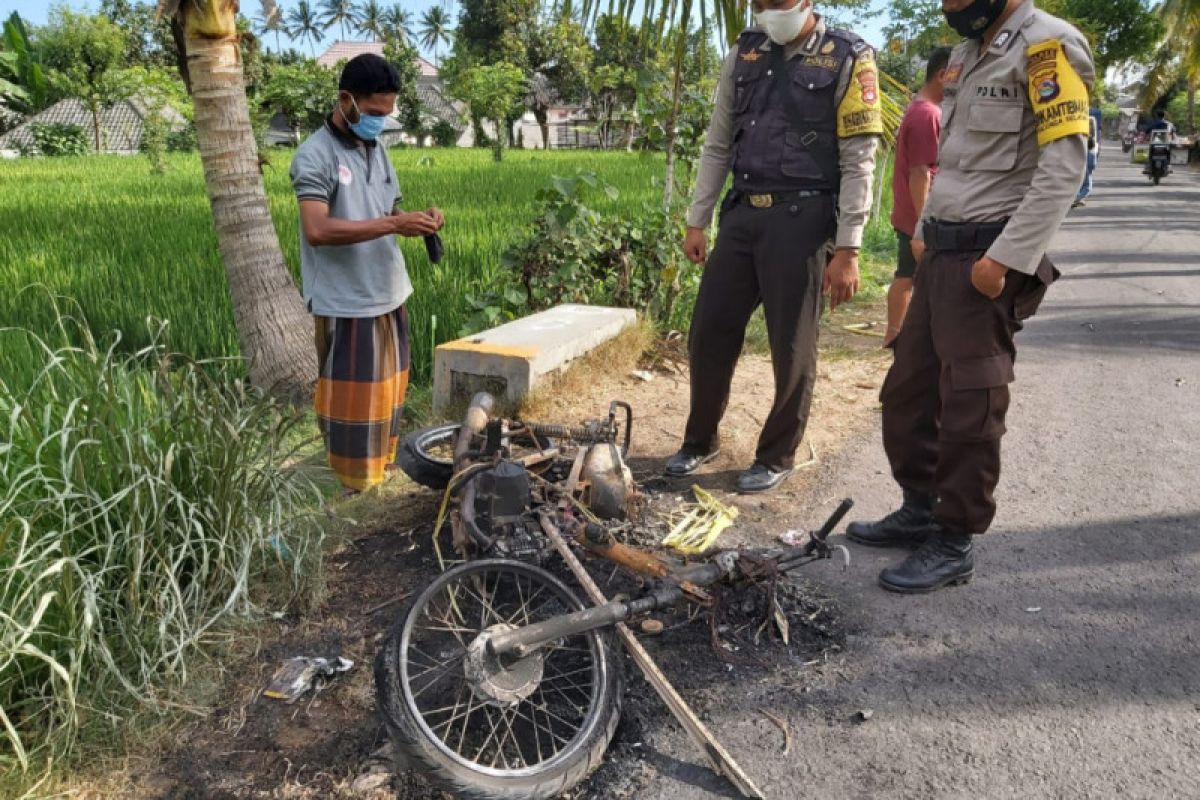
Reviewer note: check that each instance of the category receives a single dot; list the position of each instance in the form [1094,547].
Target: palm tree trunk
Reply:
[272,323]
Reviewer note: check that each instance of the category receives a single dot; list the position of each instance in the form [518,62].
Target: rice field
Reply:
[125,244]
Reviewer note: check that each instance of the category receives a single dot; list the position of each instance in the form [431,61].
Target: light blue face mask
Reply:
[369,126]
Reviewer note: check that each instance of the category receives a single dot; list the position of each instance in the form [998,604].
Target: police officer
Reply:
[1014,147]
[797,117]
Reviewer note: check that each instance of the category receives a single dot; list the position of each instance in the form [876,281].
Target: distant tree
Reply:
[270,20]
[303,92]
[1175,62]
[490,30]
[398,23]
[436,31]
[369,19]
[1119,30]
[403,56]
[304,24]
[492,92]
[556,63]
[150,43]
[339,13]
[916,28]
[81,52]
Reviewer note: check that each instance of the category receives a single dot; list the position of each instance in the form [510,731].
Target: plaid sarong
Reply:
[360,393]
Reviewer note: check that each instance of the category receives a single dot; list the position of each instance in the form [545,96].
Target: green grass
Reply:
[144,504]
[125,244]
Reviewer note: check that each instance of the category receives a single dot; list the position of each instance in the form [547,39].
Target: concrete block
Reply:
[510,360]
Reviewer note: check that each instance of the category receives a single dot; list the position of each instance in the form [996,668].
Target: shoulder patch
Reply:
[859,46]
[1056,92]
[860,112]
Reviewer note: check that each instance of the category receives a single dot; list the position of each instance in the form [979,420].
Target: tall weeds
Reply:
[142,504]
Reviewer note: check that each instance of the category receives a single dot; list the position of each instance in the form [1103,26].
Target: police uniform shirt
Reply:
[856,153]
[1014,134]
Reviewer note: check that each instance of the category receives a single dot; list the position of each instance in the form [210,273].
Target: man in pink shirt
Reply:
[916,164]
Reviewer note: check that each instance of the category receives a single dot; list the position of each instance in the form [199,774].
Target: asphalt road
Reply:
[1069,668]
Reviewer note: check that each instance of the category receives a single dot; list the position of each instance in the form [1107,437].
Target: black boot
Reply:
[945,559]
[907,526]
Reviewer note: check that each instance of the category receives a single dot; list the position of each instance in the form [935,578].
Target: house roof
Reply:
[120,123]
[433,102]
[342,50]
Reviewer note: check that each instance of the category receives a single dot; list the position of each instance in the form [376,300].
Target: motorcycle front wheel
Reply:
[496,728]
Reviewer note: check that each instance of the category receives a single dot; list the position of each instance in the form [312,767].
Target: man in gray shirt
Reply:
[797,119]
[355,281]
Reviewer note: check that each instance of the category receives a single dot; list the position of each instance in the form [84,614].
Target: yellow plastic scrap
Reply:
[700,526]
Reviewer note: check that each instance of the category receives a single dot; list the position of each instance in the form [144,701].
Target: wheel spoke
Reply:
[443,671]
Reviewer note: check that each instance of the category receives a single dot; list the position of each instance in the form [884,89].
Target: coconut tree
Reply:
[369,20]
[398,23]
[272,324]
[305,25]
[436,31]
[270,20]
[339,13]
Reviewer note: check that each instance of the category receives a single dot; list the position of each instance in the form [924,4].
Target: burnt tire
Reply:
[419,747]
[418,455]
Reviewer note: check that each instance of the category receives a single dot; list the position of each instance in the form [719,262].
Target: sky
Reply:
[35,11]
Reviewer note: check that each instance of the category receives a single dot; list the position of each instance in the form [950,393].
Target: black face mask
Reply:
[976,18]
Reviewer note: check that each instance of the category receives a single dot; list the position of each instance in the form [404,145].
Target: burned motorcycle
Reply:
[498,680]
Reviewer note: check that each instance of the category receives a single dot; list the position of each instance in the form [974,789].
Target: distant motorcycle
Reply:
[1158,162]
[1127,142]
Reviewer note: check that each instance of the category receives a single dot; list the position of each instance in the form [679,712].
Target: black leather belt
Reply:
[778,198]
[962,235]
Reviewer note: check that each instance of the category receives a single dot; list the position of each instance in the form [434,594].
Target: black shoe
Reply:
[907,526]
[946,559]
[759,479]
[683,464]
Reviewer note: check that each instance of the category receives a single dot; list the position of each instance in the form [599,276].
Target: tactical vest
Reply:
[772,150]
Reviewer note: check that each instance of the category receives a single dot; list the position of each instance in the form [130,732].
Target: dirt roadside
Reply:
[253,747]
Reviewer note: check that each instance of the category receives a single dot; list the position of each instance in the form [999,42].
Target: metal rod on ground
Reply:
[722,763]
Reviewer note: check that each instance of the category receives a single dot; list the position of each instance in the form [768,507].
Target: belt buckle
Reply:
[762,200]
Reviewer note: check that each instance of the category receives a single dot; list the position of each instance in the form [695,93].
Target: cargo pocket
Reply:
[797,160]
[974,409]
[993,137]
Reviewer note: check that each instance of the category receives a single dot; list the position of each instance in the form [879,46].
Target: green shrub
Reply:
[60,139]
[142,503]
[444,134]
[574,253]
[155,131]
[183,140]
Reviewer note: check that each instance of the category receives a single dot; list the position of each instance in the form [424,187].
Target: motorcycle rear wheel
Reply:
[496,729]
[427,455]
